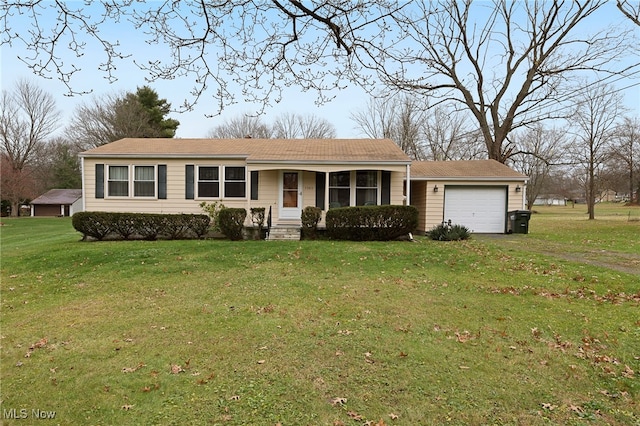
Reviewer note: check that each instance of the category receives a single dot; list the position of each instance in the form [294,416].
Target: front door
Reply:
[290,195]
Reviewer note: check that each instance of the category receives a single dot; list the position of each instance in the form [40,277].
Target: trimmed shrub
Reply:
[123,225]
[371,223]
[198,224]
[231,222]
[100,225]
[92,224]
[448,232]
[310,218]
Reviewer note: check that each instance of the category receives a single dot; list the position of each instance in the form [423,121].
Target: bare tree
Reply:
[540,151]
[423,133]
[630,9]
[508,63]
[626,151]
[241,126]
[509,68]
[400,118]
[594,122]
[297,126]
[447,136]
[28,116]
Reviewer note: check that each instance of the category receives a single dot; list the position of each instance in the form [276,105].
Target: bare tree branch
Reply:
[630,9]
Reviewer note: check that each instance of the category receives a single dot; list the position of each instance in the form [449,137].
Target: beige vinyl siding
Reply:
[175,203]
[419,200]
[434,209]
[267,192]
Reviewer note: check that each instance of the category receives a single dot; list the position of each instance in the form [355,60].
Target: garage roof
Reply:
[59,196]
[488,169]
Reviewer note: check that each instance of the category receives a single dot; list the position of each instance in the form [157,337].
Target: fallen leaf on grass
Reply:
[393,416]
[39,344]
[464,367]
[548,406]
[261,361]
[133,369]
[127,407]
[175,369]
[338,401]
[628,372]
[234,398]
[355,416]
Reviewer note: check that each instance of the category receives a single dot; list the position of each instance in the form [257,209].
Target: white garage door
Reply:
[481,209]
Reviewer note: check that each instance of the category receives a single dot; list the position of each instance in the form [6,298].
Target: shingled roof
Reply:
[257,150]
[59,196]
[488,169]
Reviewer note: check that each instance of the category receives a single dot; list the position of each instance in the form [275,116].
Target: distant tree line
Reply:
[594,149]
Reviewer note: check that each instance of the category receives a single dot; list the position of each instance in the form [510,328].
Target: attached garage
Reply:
[482,209]
[476,193]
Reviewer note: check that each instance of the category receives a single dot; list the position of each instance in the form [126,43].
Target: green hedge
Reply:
[100,225]
[310,218]
[231,222]
[371,223]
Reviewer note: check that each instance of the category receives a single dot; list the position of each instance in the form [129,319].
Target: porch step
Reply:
[281,232]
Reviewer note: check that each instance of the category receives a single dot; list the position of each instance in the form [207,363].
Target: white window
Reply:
[339,189]
[208,182]
[144,181]
[235,182]
[118,181]
[354,188]
[366,188]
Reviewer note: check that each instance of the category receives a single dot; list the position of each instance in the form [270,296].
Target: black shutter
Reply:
[386,187]
[99,180]
[189,176]
[320,182]
[162,181]
[254,184]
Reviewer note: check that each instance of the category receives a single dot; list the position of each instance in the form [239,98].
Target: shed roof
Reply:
[59,196]
[257,150]
[489,169]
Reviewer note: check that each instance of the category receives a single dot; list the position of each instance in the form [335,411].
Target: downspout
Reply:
[408,186]
[84,197]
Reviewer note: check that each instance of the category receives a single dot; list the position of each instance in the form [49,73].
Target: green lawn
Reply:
[542,328]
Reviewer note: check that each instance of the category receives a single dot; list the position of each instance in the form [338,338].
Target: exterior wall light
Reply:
[518,189]
[435,188]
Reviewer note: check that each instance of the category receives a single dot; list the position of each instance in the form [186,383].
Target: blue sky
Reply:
[195,123]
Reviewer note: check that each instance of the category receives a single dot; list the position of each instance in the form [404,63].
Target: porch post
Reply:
[326,192]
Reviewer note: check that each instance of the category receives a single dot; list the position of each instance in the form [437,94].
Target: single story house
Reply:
[286,175]
[475,193]
[57,202]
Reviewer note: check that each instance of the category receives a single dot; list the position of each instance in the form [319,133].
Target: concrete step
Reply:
[284,233]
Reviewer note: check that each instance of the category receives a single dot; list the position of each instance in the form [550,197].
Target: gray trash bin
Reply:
[519,221]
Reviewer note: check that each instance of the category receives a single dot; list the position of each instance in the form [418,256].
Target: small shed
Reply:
[57,202]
